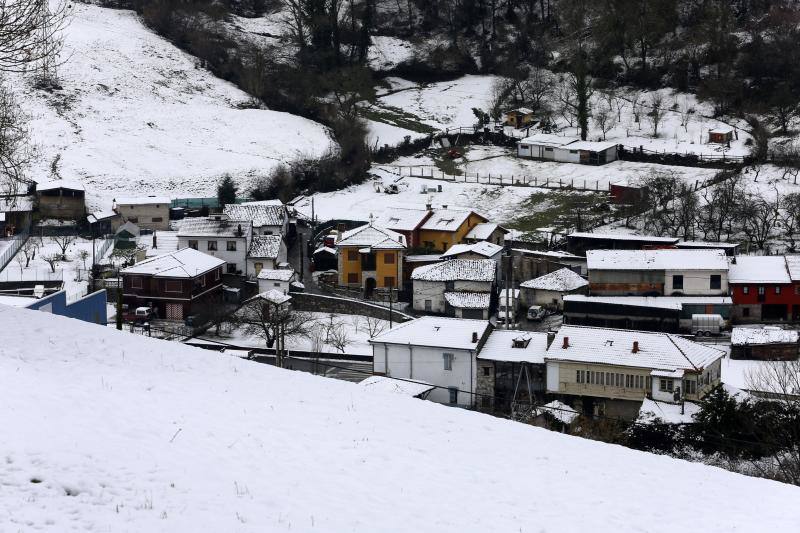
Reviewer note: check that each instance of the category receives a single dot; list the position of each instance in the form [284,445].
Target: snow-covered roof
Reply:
[268,214]
[266,246]
[653,411]
[373,237]
[422,258]
[143,200]
[97,216]
[663,302]
[682,260]
[13,300]
[325,249]
[515,346]
[521,110]
[592,146]
[446,219]
[183,263]
[166,411]
[411,388]
[219,226]
[562,280]
[276,275]
[60,184]
[274,296]
[457,270]
[486,249]
[707,244]
[793,266]
[721,129]
[468,300]
[555,254]
[402,219]
[548,139]
[765,335]
[559,410]
[758,269]
[274,201]
[615,347]
[435,331]
[484,230]
[623,237]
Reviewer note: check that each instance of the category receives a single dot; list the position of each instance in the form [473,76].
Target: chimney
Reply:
[474,337]
[635,347]
[566,343]
[551,336]
[428,207]
[239,230]
[155,243]
[444,206]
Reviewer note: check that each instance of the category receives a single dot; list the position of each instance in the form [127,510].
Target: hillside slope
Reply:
[108,431]
[137,115]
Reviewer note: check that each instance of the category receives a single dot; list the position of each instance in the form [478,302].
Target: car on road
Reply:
[536,313]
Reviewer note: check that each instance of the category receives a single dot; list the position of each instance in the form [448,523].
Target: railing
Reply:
[103,249]
[11,250]
[11,274]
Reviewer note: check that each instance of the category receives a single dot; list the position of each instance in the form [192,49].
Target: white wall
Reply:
[696,282]
[552,376]
[429,290]
[664,396]
[145,213]
[238,257]
[265,285]
[565,155]
[427,364]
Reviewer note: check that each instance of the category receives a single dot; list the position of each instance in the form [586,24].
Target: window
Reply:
[266,232]
[487,371]
[172,285]
[388,281]
[665,385]
[797,289]
[258,267]
[548,149]
[388,258]
[352,277]
[230,268]
[689,386]
[609,378]
[428,305]
[453,394]
[217,274]
[524,146]
[212,246]
[444,245]
[578,376]
[231,246]
[745,312]
[276,284]
[618,380]
[193,244]
[352,255]
[677,281]
[746,289]
[136,282]
[448,360]
[761,290]
[132,207]
[716,281]
[201,281]
[158,219]
[777,289]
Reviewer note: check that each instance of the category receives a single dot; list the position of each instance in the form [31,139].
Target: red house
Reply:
[175,285]
[762,289]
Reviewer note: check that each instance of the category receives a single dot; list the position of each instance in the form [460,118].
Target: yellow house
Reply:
[520,117]
[446,227]
[370,258]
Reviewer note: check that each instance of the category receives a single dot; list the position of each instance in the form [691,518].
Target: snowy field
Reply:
[334,333]
[138,116]
[117,432]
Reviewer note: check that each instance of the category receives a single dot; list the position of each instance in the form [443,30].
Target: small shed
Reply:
[720,135]
[520,117]
[126,236]
[324,258]
[61,199]
[549,290]
[769,343]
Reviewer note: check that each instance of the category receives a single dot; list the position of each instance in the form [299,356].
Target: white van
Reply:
[707,325]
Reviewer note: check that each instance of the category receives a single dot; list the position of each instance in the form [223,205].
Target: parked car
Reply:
[536,312]
[707,325]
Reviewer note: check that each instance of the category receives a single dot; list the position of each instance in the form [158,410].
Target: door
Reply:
[369,286]
[174,312]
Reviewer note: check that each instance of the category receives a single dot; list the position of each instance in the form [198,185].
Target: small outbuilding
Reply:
[769,343]
[549,290]
[720,135]
[520,117]
[61,199]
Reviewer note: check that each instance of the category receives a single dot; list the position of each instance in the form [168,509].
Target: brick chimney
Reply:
[566,343]
[155,241]
[635,347]
[474,337]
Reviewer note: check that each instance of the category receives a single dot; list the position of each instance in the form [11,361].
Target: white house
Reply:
[610,371]
[266,251]
[549,290]
[566,149]
[657,272]
[436,350]
[279,280]
[431,284]
[269,217]
[218,236]
[148,212]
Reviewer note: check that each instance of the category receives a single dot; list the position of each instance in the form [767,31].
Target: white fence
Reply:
[100,252]
[12,273]
[14,244]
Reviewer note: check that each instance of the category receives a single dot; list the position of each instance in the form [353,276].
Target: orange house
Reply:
[370,258]
[446,227]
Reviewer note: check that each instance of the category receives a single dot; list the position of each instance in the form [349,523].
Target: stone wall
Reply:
[333,304]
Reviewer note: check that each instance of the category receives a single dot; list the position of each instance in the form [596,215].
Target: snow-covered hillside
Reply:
[137,115]
[108,431]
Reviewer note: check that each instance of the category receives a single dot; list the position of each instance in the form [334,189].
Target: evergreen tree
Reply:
[226,191]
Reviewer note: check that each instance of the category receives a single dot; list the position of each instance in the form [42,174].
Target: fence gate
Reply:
[174,311]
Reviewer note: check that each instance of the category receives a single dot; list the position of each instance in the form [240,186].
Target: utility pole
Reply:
[390,308]
[302,267]
[507,280]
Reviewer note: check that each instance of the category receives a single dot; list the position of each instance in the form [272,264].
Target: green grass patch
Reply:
[561,210]
[396,117]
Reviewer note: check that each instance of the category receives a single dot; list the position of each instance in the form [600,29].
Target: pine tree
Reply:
[226,192]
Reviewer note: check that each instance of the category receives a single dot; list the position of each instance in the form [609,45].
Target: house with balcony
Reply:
[600,371]
[762,289]
[176,285]
[370,257]
[219,236]
[458,287]
[665,272]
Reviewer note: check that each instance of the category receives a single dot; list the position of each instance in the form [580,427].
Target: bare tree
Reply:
[657,111]
[63,242]
[339,337]
[721,205]
[53,260]
[636,106]
[604,119]
[759,217]
[270,317]
[30,33]
[29,250]
[686,111]
[15,144]
[375,326]
[20,259]
[789,218]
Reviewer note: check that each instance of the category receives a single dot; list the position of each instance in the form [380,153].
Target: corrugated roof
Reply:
[266,246]
[457,270]
[500,346]
[562,280]
[656,260]
[183,263]
[548,139]
[661,351]
[468,300]
[214,227]
[60,184]
[793,266]
[434,331]
[266,214]
[758,269]
[662,302]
